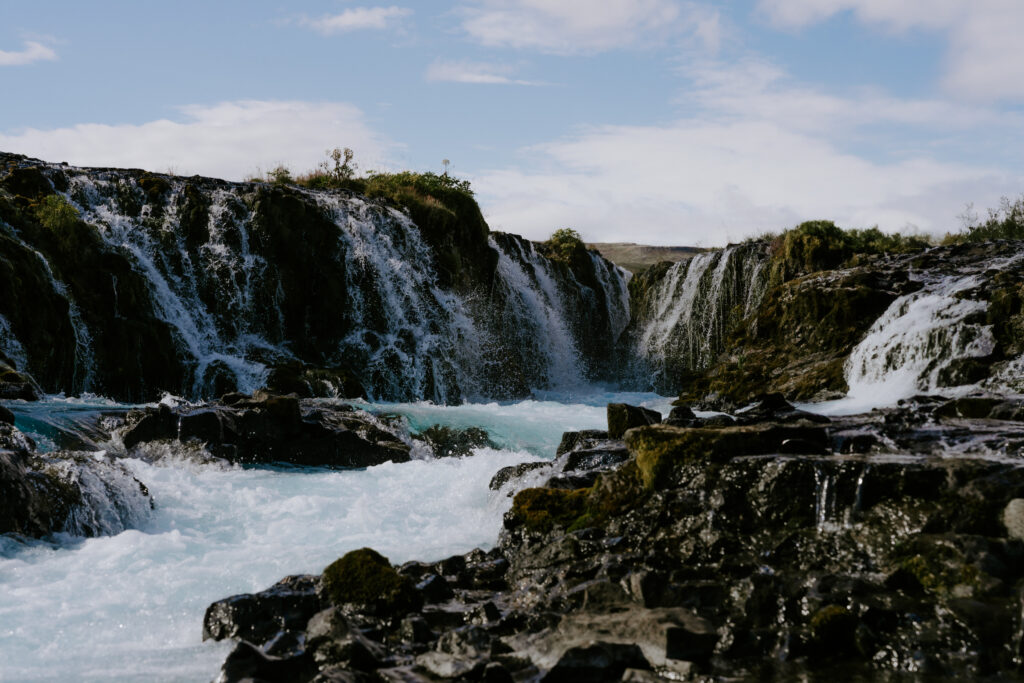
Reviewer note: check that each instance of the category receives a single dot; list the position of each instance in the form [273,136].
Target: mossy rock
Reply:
[660,450]
[366,579]
[614,493]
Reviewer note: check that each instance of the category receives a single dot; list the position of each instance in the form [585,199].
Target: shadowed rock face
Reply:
[720,550]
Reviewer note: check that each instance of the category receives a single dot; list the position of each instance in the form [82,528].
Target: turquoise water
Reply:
[129,607]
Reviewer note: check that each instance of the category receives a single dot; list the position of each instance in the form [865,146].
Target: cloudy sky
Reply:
[657,121]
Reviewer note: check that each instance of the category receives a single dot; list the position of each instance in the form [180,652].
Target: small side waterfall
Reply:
[10,347]
[84,360]
[918,336]
[688,314]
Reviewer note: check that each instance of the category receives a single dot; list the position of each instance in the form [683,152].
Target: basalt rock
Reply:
[714,554]
[622,417]
[267,428]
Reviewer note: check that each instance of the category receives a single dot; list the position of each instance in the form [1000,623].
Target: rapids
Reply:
[129,607]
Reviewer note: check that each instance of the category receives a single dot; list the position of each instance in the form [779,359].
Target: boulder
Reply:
[267,428]
[622,417]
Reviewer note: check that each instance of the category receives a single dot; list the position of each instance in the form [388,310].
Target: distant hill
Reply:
[638,257]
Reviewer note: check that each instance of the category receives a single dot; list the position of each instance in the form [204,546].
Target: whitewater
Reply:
[129,607]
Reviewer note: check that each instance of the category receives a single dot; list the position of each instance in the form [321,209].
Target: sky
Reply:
[678,122]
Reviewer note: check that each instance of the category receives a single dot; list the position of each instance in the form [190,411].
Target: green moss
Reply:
[659,450]
[613,493]
[365,577]
[542,509]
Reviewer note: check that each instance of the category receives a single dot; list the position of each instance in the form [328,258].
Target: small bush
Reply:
[562,244]
[1004,223]
[55,213]
[280,176]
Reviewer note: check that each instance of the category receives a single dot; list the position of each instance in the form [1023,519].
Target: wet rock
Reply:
[6,416]
[586,438]
[774,408]
[622,417]
[513,472]
[434,589]
[266,428]
[681,416]
[69,492]
[257,618]
[248,663]
[447,441]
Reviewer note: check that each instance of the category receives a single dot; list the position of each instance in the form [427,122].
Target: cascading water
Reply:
[414,339]
[614,282]
[535,316]
[10,347]
[918,336]
[159,252]
[692,308]
[238,280]
[84,362]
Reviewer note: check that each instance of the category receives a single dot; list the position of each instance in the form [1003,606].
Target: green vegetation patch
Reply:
[54,213]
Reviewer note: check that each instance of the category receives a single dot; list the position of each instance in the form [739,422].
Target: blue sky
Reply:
[657,121]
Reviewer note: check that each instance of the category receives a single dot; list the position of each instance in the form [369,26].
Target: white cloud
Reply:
[699,182]
[757,153]
[574,26]
[33,52]
[358,18]
[986,54]
[472,72]
[228,140]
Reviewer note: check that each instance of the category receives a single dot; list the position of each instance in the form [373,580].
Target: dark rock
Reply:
[597,662]
[248,663]
[266,428]
[507,474]
[6,416]
[447,441]
[775,408]
[622,416]
[434,589]
[285,606]
[582,439]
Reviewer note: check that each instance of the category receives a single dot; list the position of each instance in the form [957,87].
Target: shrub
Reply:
[562,244]
[280,176]
[1004,223]
[55,213]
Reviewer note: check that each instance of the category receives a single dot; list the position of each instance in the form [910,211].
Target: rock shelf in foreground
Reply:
[886,546]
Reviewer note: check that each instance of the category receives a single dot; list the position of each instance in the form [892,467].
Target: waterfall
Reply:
[614,282]
[159,253]
[10,347]
[535,316]
[689,312]
[920,333]
[84,360]
[414,339]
